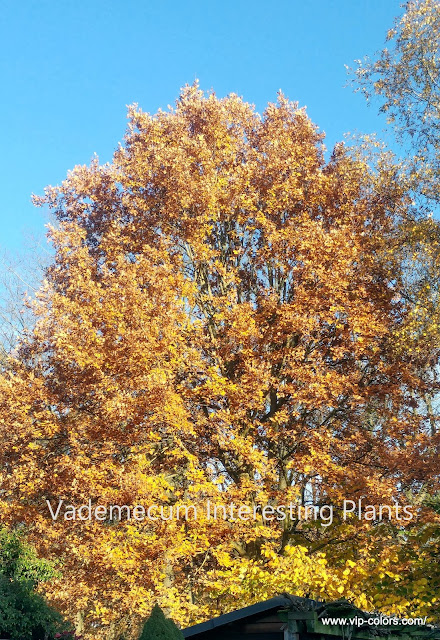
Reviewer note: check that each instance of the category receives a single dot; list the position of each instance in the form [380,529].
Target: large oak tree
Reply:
[218,323]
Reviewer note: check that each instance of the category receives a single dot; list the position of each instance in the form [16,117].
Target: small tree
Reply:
[24,614]
[157,627]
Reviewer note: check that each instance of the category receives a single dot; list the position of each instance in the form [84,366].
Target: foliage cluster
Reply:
[24,613]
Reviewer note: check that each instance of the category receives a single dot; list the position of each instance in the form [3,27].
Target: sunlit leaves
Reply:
[218,324]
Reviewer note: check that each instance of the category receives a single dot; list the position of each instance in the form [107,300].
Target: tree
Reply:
[20,279]
[218,324]
[23,612]
[405,78]
[157,627]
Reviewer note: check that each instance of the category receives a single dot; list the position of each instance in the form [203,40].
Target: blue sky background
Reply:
[69,68]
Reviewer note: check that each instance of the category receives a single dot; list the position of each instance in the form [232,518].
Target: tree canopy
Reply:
[404,76]
[222,321]
[24,614]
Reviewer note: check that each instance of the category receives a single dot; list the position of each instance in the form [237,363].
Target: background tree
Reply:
[219,322]
[24,614]
[20,278]
[405,78]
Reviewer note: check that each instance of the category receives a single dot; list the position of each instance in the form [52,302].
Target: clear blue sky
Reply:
[70,67]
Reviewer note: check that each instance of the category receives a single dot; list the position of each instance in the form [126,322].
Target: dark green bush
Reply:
[24,614]
[157,627]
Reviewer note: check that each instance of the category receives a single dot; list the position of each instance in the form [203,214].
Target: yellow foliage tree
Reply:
[218,324]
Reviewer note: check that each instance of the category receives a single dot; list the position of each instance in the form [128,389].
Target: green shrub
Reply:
[24,614]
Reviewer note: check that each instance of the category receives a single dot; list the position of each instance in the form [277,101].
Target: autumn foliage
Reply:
[220,323]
